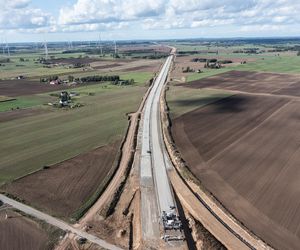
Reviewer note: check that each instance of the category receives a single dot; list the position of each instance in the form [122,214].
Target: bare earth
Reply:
[246,150]
[18,232]
[252,82]
[65,187]
[19,113]
[26,87]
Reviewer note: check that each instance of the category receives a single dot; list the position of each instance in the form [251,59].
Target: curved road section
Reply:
[159,211]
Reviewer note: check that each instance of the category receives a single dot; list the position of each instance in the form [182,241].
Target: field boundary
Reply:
[206,197]
[8,100]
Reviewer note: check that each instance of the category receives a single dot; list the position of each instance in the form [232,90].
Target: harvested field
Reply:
[63,188]
[20,113]
[145,48]
[144,68]
[84,60]
[18,232]
[252,82]
[130,65]
[182,62]
[245,149]
[26,87]
[107,66]
[236,115]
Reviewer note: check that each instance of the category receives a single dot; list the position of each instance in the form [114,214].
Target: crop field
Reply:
[29,143]
[252,82]
[60,159]
[64,188]
[34,134]
[15,88]
[20,113]
[242,143]
[18,232]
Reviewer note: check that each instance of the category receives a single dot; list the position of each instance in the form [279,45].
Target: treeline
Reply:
[99,78]
[193,52]
[155,55]
[213,60]
[114,79]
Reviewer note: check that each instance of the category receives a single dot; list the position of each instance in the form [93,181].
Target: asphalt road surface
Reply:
[56,222]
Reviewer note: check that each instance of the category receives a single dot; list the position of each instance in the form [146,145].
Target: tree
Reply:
[71,78]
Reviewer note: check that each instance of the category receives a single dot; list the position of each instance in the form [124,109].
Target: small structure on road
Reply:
[171,220]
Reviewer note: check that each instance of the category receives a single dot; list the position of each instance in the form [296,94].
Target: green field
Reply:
[277,64]
[27,144]
[182,99]
[140,78]
[22,102]
[207,73]
[282,64]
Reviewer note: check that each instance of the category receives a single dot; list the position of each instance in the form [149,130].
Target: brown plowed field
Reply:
[26,87]
[18,233]
[246,150]
[19,113]
[83,60]
[252,82]
[107,66]
[65,187]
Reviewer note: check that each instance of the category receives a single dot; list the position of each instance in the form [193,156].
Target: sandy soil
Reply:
[18,232]
[66,186]
[252,82]
[245,150]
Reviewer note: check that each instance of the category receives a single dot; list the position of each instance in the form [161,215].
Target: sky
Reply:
[57,20]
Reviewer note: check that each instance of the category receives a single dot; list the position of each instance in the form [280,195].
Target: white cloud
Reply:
[94,15]
[17,14]
[170,14]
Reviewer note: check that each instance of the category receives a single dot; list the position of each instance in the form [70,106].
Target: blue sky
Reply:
[55,20]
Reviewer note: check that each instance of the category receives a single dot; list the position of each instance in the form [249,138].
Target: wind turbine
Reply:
[100,45]
[7,48]
[3,48]
[115,47]
[46,49]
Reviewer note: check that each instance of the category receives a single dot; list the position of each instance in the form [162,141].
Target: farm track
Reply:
[57,223]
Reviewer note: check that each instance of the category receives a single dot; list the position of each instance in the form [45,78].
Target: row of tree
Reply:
[99,78]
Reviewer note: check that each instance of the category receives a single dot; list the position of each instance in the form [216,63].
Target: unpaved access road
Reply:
[56,222]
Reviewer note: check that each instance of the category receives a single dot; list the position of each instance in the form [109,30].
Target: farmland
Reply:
[277,57]
[30,143]
[252,82]
[65,156]
[238,132]
[67,186]
[19,232]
